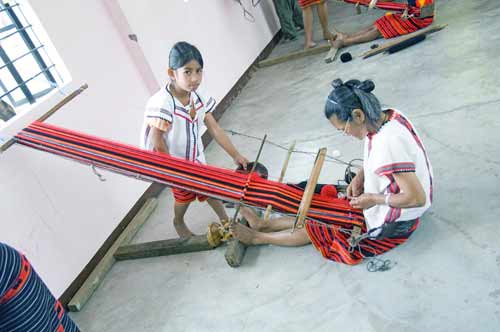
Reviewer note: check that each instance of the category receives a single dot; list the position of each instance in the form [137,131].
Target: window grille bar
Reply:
[20,57]
[29,42]
[13,33]
[15,74]
[6,6]
[27,81]
[7,27]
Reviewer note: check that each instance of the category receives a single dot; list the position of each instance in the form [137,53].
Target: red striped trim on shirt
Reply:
[396,168]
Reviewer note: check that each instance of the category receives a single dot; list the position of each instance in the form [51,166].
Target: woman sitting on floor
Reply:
[389,26]
[394,188]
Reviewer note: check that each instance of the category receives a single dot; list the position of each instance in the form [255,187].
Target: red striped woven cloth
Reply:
[395,6]
[329,220]
[178,173]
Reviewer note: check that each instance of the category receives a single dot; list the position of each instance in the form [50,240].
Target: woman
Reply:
[26,304]
[394,187]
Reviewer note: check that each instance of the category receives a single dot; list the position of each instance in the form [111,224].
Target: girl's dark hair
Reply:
[353,94]
[182,53]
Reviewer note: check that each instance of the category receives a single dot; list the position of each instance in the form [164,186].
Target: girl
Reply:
[394,187]
[172,124]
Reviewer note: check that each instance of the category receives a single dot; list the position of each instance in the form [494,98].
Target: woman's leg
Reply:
[269,225]
[365,35]
[285,238]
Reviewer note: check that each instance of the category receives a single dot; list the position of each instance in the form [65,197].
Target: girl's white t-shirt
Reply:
[182,133]
[395,148]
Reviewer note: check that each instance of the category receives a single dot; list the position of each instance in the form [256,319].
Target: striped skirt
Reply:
[307,3]
[26,304]
[332,241]
[182,196]
[392,25]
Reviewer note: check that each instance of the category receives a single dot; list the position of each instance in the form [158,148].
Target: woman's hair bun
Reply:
[337,83]
[366,86]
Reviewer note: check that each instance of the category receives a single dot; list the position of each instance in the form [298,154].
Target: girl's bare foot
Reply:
[182,230]
[245,234]
[310,45]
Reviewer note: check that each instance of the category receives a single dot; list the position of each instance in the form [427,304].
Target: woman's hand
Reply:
[365,201]
[356,187]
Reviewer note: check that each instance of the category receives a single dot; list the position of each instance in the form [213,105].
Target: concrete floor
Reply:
[446,278]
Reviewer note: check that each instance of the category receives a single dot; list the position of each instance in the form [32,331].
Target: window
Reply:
[27,73]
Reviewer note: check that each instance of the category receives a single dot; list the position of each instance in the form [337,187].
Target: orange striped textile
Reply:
[307,3]
[185,197]
[332,242]
[413,6]
[392,25]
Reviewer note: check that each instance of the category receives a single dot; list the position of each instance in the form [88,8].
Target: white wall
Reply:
[57,211]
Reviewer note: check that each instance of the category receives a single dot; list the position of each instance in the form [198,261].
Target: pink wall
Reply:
[57,211]
[228,42]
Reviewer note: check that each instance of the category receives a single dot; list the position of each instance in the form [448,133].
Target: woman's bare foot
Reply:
[339,41]
[246,234]
[329,36]
[182,230]
[341,35]
[254,221]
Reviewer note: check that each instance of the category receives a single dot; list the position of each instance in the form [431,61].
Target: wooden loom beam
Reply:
[305,203]
[163,248]
[295,55]
[49,113]
[388,45]
[98,274]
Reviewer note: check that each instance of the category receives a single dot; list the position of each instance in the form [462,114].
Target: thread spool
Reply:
[345,57]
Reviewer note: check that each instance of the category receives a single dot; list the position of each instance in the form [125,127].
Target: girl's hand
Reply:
[365,201]
[240,160]
[356,187]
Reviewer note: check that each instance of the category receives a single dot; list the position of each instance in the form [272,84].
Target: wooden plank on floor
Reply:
[388,45]
[95,278]
[332,55]
[163,248]
[235,250]
[295,55]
